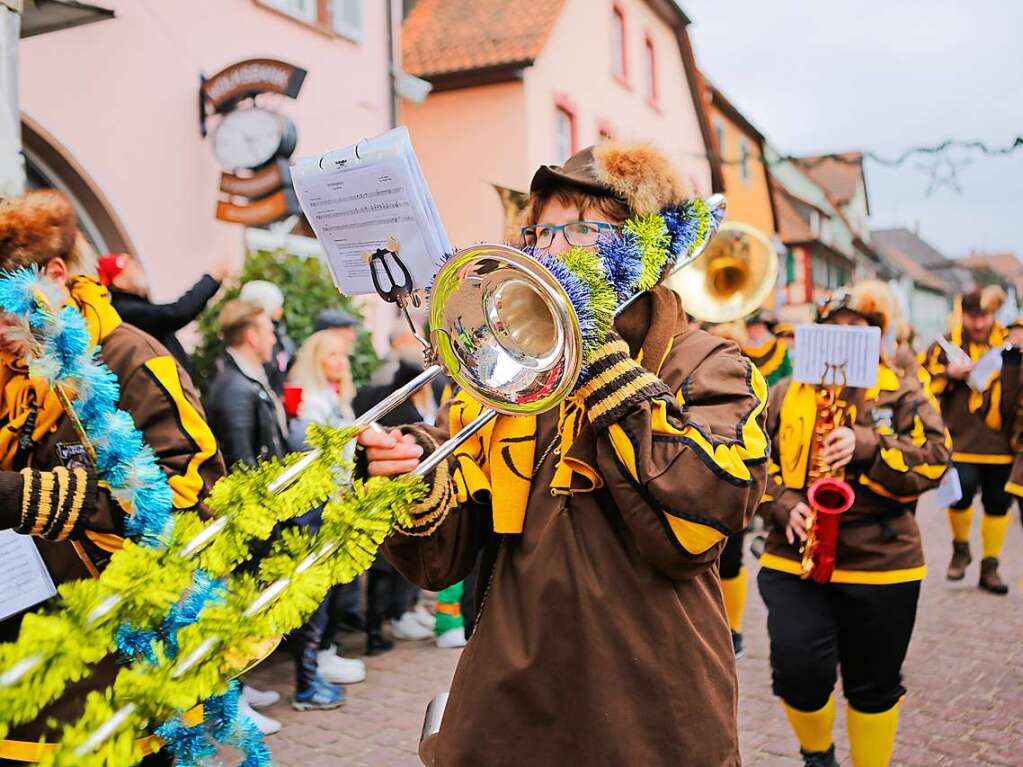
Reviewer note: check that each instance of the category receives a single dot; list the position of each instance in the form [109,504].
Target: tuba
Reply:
[829,495]
[732,278]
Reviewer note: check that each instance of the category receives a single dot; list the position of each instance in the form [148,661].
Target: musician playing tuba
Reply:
[891,446]
[601,637]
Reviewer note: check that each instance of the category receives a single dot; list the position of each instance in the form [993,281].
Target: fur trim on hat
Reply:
[641,175]
[991,299]
[36,228]
[873,299]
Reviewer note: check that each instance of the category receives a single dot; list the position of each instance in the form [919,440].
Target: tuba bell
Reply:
[732,278]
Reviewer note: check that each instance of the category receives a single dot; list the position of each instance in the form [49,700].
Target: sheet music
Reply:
[950,491]
[359,197]
[952,352]
[24,579]
[855,347]
[987,366]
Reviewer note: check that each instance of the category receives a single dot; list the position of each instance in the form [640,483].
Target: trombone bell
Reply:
[733,277]
[505,329]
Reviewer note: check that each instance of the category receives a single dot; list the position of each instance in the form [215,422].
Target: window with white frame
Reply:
[564,134]
[347,18]
[618,64]
[719,131]
[744,159]
[303,10]
[651,71]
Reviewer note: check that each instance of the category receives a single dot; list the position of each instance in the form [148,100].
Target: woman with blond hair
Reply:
[323,373]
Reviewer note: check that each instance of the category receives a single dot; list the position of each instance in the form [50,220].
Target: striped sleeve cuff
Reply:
[55,504]
[430,513]
[616,383]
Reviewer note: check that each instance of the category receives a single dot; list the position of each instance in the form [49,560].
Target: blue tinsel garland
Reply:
[66,358]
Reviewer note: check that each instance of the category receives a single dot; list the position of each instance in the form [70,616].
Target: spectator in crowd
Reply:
[322,381]
[270,297]
[129,293]
[388,595]
[248,419]
[340,323]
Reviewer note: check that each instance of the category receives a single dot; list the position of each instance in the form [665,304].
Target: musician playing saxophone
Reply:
[890,444]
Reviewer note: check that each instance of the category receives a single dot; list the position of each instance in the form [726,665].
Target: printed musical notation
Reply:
[24,580]
[356,205]
[837,354]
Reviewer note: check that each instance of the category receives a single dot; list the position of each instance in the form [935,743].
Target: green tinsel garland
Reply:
[357,521]
[150,581]
[654,240]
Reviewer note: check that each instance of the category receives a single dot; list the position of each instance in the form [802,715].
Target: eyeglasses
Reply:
[583,234]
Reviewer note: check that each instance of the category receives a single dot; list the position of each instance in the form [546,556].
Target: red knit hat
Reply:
[111,265]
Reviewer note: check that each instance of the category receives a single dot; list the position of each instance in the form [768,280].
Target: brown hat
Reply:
[765,316]
[637,174]
[870,299]
[983,300]
[36,228]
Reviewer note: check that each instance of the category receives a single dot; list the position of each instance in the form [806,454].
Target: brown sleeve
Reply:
[685,472]
[444,541]
[163,403]
[936,362]
[777,500]
[912,456]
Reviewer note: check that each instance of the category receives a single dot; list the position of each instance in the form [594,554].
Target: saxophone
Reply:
[829,495]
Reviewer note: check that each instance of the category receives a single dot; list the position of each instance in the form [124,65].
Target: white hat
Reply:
[263,293]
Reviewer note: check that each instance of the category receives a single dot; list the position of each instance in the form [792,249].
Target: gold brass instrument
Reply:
[732,278]
[829,495]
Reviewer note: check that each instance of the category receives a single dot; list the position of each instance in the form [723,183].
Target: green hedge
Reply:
[308,289]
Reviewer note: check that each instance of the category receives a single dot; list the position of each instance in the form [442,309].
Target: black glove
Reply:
[53,504]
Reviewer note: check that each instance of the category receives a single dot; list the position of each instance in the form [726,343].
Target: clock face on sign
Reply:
[248,138]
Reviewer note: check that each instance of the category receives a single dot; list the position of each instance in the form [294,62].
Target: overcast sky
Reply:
[821,76]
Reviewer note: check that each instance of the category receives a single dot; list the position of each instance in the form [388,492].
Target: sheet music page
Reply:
[986,367]
[952,352]
[359,197]
[24,580]
[950,491]
[855,347]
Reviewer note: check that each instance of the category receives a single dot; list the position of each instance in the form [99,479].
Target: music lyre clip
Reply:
[388,286]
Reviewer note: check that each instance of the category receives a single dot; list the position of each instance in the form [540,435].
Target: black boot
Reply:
[960,560]
[819,758]
[990,580]
[377,643]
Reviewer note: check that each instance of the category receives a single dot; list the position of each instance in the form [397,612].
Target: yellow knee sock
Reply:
[992,533]
[961,522]
[871,736]
[813,728]
[734,592]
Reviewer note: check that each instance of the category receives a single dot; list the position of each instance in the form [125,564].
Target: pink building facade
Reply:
[603,68]
[111,112]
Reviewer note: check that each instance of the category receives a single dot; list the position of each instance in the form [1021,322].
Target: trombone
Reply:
[505,330]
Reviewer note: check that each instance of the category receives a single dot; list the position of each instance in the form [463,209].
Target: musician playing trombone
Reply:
[601,636]
[891,445]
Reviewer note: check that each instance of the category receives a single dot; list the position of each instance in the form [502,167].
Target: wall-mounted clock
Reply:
[250,138]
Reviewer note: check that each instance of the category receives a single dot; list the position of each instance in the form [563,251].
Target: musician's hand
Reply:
[796,528]
[839,447]
[959,370]
[390,453]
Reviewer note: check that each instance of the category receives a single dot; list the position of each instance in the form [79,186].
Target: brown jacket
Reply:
[902,450]
[162,401]
[973,418]
[602,637]
[1012,415]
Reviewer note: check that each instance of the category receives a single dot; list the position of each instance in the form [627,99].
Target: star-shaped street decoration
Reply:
[944,171]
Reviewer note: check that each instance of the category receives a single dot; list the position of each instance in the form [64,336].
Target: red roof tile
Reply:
[447,36]
[839,177]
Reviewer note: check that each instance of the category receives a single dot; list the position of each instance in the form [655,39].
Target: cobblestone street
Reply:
[964,675]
